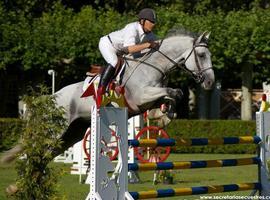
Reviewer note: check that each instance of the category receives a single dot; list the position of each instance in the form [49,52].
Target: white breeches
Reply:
[108,51]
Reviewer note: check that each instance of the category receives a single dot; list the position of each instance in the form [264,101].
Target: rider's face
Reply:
[148,26]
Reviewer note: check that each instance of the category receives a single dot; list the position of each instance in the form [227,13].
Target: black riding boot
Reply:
[105,79]
[106,76]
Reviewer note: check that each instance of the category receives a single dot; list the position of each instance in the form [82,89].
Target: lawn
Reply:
[70,188]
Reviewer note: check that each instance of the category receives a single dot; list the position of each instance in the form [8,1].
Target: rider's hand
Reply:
[154,45]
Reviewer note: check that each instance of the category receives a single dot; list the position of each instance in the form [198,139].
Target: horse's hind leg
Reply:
[74,134]
[11,154]
[7,158]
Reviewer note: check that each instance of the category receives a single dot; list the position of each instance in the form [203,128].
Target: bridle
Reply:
[198,75]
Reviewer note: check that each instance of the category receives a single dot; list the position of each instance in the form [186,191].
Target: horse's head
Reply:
[197,61]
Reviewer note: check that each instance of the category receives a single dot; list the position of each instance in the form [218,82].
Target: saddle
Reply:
[96,69]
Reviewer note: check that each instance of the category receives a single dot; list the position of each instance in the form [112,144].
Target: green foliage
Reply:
[47,44]
[195,6]
[178,129]
[10,132]
[15,31]
[31,8]
[237,37]
[84,31]
[45,123]
[60,39]
[67,41]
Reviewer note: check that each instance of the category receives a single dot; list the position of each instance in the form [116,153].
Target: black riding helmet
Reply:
[149,14]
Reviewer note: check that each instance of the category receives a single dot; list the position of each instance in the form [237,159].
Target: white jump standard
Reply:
[101,185]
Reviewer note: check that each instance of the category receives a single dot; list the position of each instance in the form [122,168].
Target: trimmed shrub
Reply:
[212,129]
[10,131]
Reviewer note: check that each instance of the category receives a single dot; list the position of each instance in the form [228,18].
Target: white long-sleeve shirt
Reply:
[131,34]
[114,42]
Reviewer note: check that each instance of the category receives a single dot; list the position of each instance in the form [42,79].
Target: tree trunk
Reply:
[246,109]
[204,103]
[8,94]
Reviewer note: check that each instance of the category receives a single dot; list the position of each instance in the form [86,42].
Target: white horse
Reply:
[144,80]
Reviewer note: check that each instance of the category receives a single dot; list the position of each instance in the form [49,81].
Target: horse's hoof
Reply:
[179,93]
[11,189]
[171,115]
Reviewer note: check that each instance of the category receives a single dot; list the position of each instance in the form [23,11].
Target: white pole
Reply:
[52,73]
[148,133]
[81,162]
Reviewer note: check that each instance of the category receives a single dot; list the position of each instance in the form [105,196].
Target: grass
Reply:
[70,188]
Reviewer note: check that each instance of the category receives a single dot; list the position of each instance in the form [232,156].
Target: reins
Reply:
[199,76]
[138,62]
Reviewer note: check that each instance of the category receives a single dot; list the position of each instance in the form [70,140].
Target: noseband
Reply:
[197,75]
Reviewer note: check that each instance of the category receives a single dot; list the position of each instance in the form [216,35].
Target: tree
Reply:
[29,8]
[239,43]
[243,46]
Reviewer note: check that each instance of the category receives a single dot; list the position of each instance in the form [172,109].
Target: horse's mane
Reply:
[181,31]
[185,33]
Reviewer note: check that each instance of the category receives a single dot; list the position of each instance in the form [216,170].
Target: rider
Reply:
[133,38]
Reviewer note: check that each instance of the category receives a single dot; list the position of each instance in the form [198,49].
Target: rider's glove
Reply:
[154,45]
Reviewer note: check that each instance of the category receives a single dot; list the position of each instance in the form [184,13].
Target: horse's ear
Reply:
[203,37]
[207,35]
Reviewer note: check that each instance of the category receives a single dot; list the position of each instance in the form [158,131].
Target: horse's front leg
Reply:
[152,94]
[158,96]
[175,93]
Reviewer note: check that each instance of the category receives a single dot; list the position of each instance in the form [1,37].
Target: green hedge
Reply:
[215,128]
[10,131]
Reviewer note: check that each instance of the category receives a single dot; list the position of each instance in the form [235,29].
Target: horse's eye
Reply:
[201,55]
